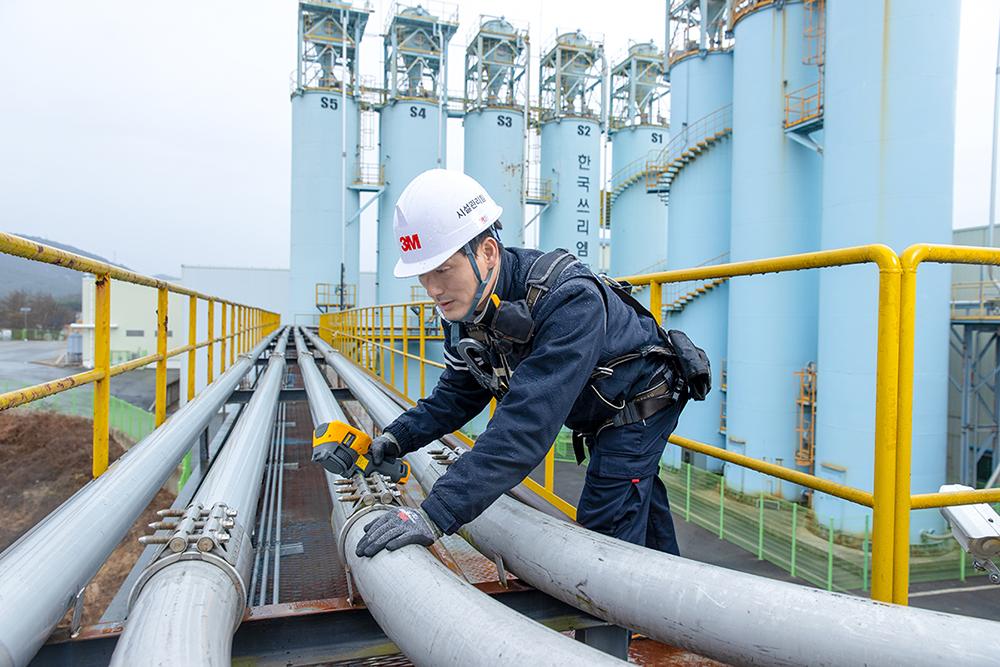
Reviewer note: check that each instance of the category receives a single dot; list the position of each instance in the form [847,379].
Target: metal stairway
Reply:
[677,305]
[685,147]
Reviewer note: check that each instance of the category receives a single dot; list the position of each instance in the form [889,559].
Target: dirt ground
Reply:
[44,459]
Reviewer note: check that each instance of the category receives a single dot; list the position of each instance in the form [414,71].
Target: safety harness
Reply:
[506,327]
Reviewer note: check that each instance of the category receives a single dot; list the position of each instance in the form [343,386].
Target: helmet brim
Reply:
[413,269]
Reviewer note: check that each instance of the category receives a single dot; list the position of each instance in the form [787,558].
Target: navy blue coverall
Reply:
[579,325]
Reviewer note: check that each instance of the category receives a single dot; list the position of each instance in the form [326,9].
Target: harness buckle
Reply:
[477,358]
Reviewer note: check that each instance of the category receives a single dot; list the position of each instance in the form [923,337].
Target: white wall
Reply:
[133,321]
[133,315]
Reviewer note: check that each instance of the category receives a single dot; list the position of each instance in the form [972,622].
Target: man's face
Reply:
[453,285]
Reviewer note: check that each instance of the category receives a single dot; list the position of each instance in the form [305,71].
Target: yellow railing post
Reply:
[392,345]
[904,426]
[406,350]
[423,353]
[232,334]
[211,341]
[161,356]
[550,469]
[381,343]
[886,394]
[656,301]
[910,260]
[192,342]
[102,362]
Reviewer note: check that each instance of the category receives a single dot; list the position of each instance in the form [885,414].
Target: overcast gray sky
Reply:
[158,133]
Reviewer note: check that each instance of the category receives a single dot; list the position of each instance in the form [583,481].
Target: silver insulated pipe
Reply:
[419,603]
[42,573]
[186,606]
[738,618]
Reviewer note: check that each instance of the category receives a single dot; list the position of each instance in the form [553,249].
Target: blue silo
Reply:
[889,124]
[697,186]
[412,126]
[571,86]
[324,228]
[638,133]
[776,208]
[495,97]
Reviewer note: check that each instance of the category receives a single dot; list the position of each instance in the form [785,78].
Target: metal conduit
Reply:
[42,573]
[189,603]
[731,616]
[419,603]
[281,487]
[263,517]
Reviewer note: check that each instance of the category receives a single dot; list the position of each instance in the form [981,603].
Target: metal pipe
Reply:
[994,166]
[259,553]
[186,610]
[421,605]
[264,538]
[281,486]
[42,572]
[730,616]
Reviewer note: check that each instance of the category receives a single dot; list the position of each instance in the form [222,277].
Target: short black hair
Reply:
[492,231]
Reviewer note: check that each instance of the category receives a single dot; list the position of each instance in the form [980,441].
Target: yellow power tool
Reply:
[343,450]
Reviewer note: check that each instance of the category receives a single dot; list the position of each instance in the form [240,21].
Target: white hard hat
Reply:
[438,213]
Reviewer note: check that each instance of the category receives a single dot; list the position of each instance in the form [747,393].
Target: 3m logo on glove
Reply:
[408,243]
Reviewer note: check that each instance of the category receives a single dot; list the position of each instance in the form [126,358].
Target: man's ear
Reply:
[491,252]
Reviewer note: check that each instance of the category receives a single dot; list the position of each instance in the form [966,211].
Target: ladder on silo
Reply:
[804,107]
[805,403]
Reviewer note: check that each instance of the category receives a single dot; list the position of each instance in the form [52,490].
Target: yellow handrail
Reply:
[263,324]
[886,370]
[910,261]
[804,104]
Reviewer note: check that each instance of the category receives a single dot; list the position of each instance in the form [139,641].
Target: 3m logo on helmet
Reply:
[471,206]
[408,243]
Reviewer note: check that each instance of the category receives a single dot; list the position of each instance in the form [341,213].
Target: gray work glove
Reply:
[392,530]
[383,447]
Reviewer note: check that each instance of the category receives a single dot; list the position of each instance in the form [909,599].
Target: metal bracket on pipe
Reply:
[74,626]
[501,570]
[371,493]
[364,491]
[342,543]
[989,567]
[445,457]
[210,534]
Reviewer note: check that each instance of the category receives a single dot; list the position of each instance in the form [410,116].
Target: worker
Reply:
[554,344]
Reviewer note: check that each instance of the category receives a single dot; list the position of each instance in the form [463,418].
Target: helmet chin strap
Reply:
[483,282]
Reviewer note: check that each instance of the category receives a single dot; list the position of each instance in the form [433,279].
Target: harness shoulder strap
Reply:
[624,292]
[544,273]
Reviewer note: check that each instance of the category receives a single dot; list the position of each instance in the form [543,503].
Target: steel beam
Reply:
[319,631]
[734,617]
[419,603]
[41,573]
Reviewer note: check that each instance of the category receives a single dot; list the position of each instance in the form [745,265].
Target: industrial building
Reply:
[753,178]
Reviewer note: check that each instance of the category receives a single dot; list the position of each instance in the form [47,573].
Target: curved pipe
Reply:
[186,613]
[42,572]
[420,604]
[738,618]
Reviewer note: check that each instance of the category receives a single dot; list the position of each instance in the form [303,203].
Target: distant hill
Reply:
[17,273]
